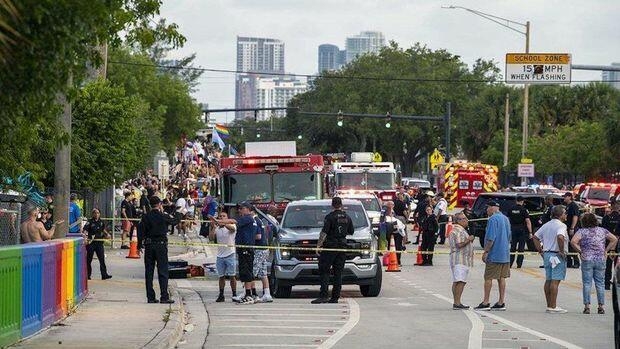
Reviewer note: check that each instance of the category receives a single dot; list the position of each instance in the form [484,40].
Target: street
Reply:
[413,310]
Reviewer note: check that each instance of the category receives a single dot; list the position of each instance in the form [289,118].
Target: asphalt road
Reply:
[414,310]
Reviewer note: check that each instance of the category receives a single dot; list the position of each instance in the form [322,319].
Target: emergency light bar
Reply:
[270,161]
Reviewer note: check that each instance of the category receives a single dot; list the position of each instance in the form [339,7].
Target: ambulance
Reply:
[462,180]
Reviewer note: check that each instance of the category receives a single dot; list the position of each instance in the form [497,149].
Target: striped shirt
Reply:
[463,255]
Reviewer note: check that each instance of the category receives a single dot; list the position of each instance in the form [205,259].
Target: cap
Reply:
[154,200]
[430,193]
[245,204]
[336,201]
[520,198]
[493,203]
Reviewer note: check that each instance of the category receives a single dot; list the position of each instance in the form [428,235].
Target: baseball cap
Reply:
[493,203]
[245,204]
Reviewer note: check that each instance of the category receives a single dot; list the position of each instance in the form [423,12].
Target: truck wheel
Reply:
[279,291]
[374,289]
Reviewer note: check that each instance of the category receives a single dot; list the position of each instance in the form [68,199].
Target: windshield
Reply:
[350,180]
[381,181]
[306,216]
[370,204]
[368,180]
[296,186]
[251,187]
[598,194]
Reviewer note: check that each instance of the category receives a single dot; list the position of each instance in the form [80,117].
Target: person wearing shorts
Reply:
[461,258]
[551,241]
[260,261]
[496,256]
[225,263]
[246,234]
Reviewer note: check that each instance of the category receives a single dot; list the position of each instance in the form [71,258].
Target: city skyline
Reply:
[582,31]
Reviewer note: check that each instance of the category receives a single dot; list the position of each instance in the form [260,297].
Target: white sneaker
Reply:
[236,299]
[267,298]
[557,310]
[247,300]
[256,299]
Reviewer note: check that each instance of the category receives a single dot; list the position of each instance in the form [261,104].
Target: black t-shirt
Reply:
[129,209]
[611,222]
[572,210]
[337,226]
[399,207]
[517,215]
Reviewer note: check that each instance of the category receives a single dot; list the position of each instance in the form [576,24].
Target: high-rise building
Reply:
[365,42]
[276,92]
[612,77]
[256,55]
[330,57]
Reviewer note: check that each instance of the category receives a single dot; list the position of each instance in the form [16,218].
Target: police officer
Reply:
[611,222]
[155,241]
[95,228]
[336,227]
[521,227]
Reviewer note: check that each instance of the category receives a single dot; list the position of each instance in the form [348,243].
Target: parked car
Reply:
[301,224]
[370,202]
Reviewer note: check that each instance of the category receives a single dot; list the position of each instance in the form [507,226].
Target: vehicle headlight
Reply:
[366,249]
[285,254]
[376,220]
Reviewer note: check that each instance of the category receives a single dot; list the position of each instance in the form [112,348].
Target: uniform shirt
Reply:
[517,216]
[399,207]
[429,225]
[463,255]
[225,236]
[155,226]
[548,234]
[572,210]
[336,226]
[95,229]
[441,208]
[592,243]
[498,231]
[611,222]
[246,230]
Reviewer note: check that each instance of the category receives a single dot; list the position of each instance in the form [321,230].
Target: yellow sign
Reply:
[538,58]
[436,158]
[526,161]
[376,157]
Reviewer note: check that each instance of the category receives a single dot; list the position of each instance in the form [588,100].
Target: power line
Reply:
[314,76]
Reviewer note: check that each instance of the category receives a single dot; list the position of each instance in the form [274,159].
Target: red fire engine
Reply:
[597,195]
[376,177]
[465,180]
[271,180]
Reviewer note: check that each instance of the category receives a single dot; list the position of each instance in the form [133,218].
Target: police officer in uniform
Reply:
[155,241]
[521,227]
[611,222]
[95,228]
[336,227]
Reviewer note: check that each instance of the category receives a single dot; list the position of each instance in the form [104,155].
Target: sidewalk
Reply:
[116,314]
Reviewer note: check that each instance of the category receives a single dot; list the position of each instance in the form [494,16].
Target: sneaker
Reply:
[151,301]
[498,307]
[557,310]
[266,298]
[220,299]
[483,306]
[247,300]
[586,310]
[601,310]
[256,299]
[236,299]
[106,277]
[460,307]
[320,301]
[166,301]
[333,300]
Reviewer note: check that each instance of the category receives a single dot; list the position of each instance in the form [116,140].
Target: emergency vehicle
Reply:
[271,180]
[363,175]
[596,195]
[464,180]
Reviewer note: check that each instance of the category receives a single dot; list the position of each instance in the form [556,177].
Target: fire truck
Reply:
[361,174]
[596,195]
[464,180]
[271,180]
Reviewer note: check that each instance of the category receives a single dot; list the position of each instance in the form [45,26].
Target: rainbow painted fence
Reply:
[39,284]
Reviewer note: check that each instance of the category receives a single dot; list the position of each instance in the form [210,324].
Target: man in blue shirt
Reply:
[75,214]
[496,256]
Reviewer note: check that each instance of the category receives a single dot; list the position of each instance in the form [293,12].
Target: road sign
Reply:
[525,170]
[436,158]
[526,161]
[376,157]
[538,68]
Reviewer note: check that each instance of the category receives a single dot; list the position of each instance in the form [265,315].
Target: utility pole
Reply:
[447,127]
[62,167]
[506,130]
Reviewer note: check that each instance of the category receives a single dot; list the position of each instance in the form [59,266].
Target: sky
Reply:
[588,30]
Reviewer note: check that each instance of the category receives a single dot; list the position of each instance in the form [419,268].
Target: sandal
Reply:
[601,310]
[586,310]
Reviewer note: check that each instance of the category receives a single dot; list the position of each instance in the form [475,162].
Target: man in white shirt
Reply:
[441,212]
[225,262]
[554,238]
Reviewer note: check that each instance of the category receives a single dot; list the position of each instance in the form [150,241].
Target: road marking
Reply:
[536,273]
[279,320]
[282,327]
[477,327]
[405,304]
[183,283]
[293,309]
[270,345]
[269,335]
[354,318]
[276,314]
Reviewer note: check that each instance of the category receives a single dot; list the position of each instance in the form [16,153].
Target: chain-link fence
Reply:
[10,218]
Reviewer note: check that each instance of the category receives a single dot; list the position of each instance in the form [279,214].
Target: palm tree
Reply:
[8,35]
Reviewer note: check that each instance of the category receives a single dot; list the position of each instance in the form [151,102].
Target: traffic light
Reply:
[388,120]
[340,119]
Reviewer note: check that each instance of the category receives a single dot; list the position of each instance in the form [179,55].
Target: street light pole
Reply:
[526,90]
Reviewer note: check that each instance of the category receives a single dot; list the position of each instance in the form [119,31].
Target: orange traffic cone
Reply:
[393,265]
[449,226]
[418,259]
[133,247]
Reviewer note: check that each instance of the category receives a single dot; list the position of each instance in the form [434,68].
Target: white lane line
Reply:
[279,320]
[477,326]
[558,341]
[293,309]
[183,283]
[282,314]
[270,345]
[254,334]
[354,318]
[281,327]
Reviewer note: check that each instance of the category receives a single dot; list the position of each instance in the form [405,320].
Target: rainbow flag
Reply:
[222,130]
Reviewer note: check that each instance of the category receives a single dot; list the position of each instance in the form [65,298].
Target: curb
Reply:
[173,331]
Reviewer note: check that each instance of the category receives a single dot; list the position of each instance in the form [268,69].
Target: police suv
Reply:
[300,228]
